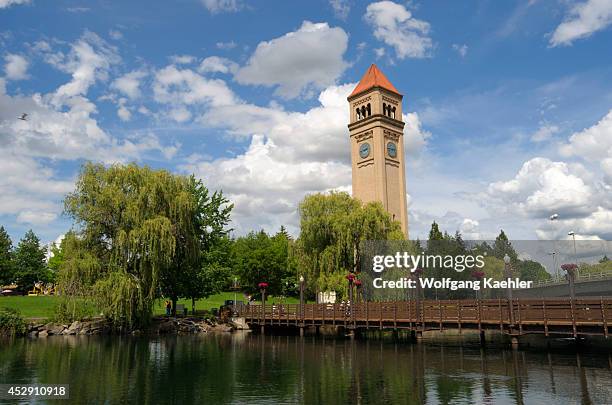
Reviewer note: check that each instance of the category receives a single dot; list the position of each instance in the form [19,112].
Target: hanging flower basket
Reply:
[357,283]
[569,267]
[478,274]
[262,285]
[350,277]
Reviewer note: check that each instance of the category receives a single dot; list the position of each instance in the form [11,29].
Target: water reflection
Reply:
[312,370]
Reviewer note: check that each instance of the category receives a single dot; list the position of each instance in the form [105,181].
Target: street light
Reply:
[573,235]
[508,276]
[553,218]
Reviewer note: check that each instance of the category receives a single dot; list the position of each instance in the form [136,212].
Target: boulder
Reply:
[43,333]
[56,329]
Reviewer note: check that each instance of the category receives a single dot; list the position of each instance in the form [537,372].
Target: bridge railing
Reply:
[502,312]
[581,277]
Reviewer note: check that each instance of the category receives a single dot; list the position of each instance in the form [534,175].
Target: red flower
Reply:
[357,283]
[478,274]
[569,267]
[350,277]
[262,285]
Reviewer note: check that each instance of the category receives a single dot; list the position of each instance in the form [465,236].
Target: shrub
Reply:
[12,323]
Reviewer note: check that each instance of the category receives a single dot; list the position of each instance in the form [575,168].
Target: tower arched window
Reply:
[358,114]
[369,110]
[384,108]
[363,111]
[393,113]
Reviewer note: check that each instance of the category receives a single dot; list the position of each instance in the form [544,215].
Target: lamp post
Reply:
[235,289]
[357,290]
[552,219]
[573,235]
[350,277]
[417,275]
[508,276]
[302,298]
[571,269]
[478,276]
[262,287]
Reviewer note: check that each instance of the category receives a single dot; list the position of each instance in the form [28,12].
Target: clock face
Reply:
[392,149]
[364,150]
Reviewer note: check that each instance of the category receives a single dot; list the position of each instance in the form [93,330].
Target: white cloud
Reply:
[129,84]
[216,64]
[89,60]
[219,6]
[594,143]
[8,3]
[16,67]
[226,45]
[123,111]
[395,26]
[582,21]
[29,190]
[544,133]
[36,217]
[61,124]
[461,49]
[186,93]
[182,59]
[306,59]
[341,8]
[542,187]
[415,137]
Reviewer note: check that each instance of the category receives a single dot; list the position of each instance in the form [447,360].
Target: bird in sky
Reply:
[23,117]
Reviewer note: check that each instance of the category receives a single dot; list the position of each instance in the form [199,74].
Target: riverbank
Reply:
[159,326]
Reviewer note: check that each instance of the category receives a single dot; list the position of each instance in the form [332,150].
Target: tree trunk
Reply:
[192,306]
[174,300]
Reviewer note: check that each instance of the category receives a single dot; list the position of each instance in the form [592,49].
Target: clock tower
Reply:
[377,144]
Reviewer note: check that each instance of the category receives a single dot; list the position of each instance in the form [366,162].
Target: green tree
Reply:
[434,232]
[503,247]
[604,259]
[7,265]
[530,270]
[136,228]
[332,229]
[189,271]
[258,257]
[30,264]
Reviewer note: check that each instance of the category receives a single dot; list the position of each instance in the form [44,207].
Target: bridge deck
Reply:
[520,316]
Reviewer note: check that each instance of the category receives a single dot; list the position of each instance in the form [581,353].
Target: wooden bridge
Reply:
[559,316]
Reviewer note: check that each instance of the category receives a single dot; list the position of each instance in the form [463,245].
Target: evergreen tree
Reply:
[30,264]
[434,232]
[503,247]
[7,265]
[604,259]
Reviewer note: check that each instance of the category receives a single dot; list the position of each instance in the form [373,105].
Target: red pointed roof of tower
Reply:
[373,78]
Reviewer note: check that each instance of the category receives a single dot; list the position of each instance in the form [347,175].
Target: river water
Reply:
[255,369]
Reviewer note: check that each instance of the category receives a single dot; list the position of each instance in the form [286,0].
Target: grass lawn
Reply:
[44,306]
[31,307]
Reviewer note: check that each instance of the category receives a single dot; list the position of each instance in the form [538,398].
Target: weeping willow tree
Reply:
[133,225]
[332,229]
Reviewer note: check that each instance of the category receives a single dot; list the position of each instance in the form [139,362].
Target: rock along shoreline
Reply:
[159,326]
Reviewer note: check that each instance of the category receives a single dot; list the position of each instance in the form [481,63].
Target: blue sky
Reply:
[508,105]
